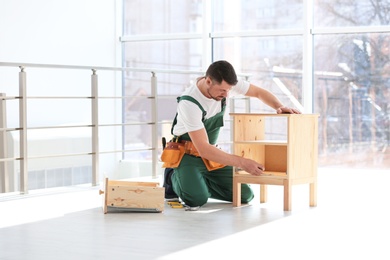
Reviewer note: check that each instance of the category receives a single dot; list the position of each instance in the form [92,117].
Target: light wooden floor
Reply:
[351,221]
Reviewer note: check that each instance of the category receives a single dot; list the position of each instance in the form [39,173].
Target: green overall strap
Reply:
[211,125]
[193,100]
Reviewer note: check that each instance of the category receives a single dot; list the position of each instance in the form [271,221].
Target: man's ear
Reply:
[208,81]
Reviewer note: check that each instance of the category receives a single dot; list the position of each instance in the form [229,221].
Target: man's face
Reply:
[217,91]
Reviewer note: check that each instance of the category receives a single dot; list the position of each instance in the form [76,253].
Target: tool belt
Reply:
[174,151]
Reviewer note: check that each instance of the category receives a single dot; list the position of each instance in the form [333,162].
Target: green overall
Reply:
[192,182]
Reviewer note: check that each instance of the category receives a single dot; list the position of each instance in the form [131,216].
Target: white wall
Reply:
[61,32]
[71,32]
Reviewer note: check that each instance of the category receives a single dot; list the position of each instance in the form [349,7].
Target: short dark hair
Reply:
[222,71]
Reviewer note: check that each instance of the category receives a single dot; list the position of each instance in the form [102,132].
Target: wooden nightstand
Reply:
[289,159]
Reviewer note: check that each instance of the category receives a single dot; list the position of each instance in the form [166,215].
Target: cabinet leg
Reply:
[313,194]
[105,195]
[236,193]
[287,195]
[263,193]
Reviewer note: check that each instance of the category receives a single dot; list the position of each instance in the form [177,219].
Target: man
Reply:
[199,117]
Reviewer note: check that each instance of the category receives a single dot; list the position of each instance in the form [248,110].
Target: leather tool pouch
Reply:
[211,166]
[172,154]
[174,151]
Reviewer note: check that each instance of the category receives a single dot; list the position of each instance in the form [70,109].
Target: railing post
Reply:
[247,100]
[23,132]
[232,104]
[4,175]
[154,125]
[95,128]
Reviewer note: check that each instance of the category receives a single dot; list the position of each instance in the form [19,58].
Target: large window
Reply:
[346,13]
[254,15]
[259,58]
[268,42]
[351,81]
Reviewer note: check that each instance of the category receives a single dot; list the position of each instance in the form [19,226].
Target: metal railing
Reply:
[22,98]
[95,152]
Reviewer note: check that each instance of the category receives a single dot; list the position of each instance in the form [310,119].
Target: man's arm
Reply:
[270,99]
[200,140]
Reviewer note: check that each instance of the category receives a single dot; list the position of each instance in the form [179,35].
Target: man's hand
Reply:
[252,167]
[287,110]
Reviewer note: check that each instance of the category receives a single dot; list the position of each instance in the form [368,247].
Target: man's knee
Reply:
[246,193]
[195,200]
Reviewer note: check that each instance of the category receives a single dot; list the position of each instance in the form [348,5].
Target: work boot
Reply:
[169,193]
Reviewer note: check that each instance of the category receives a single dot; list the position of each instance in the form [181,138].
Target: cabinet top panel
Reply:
[281,115]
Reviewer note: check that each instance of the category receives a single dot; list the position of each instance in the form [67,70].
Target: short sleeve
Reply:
[241,88]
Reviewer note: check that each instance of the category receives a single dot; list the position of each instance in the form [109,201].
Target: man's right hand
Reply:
[252,167]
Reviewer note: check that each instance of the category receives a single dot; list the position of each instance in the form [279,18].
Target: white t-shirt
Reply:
[189,115]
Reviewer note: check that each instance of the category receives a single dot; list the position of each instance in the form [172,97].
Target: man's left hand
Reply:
[287,110]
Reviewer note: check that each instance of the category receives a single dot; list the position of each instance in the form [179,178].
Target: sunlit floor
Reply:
[351,221]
